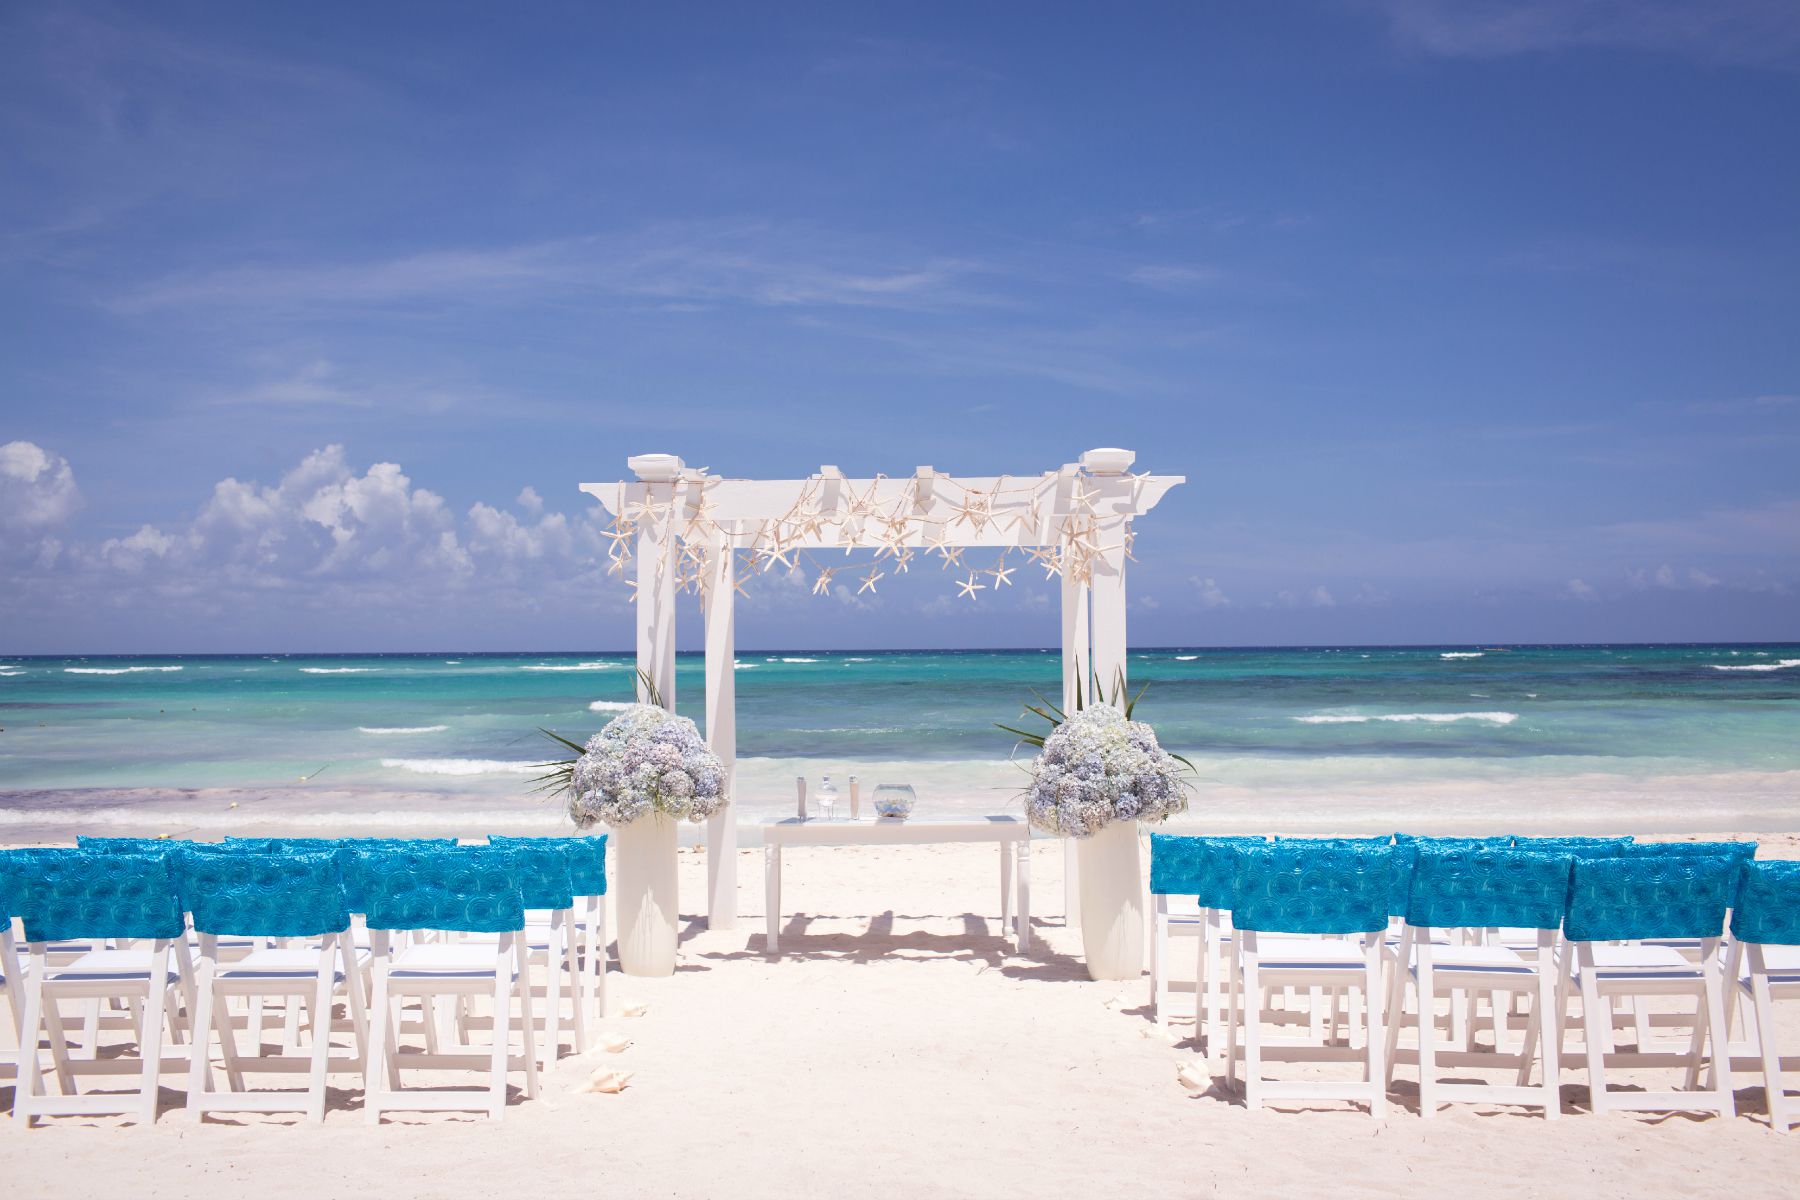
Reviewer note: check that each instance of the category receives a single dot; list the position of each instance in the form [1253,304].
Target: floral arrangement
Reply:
[645,760]
[1097,767]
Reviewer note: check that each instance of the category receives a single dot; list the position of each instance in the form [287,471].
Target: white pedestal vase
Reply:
[647,899]
[1112,902]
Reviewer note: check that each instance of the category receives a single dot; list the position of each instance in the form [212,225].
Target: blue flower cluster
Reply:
[646,760]
[1097,768]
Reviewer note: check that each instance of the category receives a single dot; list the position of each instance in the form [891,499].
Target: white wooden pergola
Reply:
[685,529]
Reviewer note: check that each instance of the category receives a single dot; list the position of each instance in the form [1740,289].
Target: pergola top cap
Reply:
[1108,460]
[656,468]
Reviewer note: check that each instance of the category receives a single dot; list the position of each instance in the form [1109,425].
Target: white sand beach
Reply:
[900,1048]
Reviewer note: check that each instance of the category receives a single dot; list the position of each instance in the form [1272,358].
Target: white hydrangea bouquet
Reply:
[645,760]
[1096,766]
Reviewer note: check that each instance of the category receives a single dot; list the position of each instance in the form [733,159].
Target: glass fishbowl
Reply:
[893,800]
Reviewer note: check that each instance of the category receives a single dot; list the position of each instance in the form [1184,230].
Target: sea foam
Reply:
[461,766]
[337,670]
[401,728]
[800,660]
[113,670]
[609,706]
[1774,666]
[1462,654]
[586,666]
[1186,657]
[1496,718]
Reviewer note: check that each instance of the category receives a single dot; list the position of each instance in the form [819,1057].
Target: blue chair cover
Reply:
[472,889]
[1590,846]
[127,845]
[71,895]
[1736,851]
[1664,896]
[1378,840]
[265,895]
[587,860]
[1480,886]
[1295,887]
[1768,904]
[1406,849]
[541,866]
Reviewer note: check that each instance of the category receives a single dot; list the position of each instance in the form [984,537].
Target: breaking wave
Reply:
[461,766]
[401,728]
[113,670]
[1774,666]
[1493,718]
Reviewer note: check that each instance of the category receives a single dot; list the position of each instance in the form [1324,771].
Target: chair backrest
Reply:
[1768,904]
[127,845]
[1662,896]
[541,866]
[587,860]
[71,895]
[1485,886]
[1736,851]
[1406,851]
[1385,839]
[1299,887]
[265,895]
[1591,847]
[1187,865]
[471,889]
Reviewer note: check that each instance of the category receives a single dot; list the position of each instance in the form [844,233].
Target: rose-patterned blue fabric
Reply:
[541,867]
[1185,865]
[1664,896]
[472,889]
[69,895]
[265,895]
[1406,849]
[1485,886]
[1737,851]
[1768,904]
[1318,887]
[587,859]
[1590,846]
[125,845]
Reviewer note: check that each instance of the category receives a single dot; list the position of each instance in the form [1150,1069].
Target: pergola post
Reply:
[721,728]
[656,574]
[1076,652]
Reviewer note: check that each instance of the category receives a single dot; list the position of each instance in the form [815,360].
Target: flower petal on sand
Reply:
[634,1010]
[1194,1077]
[610,1083]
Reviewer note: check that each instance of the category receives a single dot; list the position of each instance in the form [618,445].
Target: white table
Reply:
[1011,834]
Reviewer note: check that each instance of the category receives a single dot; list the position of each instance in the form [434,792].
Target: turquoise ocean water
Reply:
[1453,737]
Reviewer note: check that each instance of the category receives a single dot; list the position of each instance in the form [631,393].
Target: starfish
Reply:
[974,509]
[1080,497]
[1051,563]
[631,584]
[969,587]
[868,581]
[952,556]
[1002,575]
[822,584]
[737,585]
[901,559]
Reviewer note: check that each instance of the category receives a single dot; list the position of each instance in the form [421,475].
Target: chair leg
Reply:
[200,1044]
[1252,996]
[1719,1076]
[502,1030]
[150,1043]
[1763,1001]
[379,1071]
[1428,1032]
[527,1022]
[321,1028]
[1396,1005]
[1372,997]
[30,1081]
[1596,1014]
[1233,989]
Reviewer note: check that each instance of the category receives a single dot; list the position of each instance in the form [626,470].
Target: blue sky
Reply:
[1466,321]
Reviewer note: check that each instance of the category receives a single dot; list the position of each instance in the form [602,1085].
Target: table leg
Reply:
[1022,908]
[772,894]
[1006,904]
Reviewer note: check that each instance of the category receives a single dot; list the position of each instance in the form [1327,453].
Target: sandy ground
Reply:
[899,1047]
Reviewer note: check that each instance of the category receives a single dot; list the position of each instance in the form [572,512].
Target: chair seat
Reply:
[444,959]
[538,936]
[1639,962]
[277,964]
[107,964]
[1184,910]
[1308,952]
[1500,960]
[1781,962]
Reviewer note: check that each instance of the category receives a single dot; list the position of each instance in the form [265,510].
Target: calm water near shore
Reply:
[1454,736]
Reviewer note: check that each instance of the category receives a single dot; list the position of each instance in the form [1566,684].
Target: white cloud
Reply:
[1582,590]
[1759,32]
[1210,594]
[1320,598]
[37,488]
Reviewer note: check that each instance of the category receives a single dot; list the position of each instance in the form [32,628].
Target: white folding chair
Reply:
[1632,898]
[472,889]
[258,895]
[1764,965]
[1471,887]
[1337,894]
[68,895]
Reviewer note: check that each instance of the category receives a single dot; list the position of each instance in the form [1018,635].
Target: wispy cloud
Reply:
[1749,32]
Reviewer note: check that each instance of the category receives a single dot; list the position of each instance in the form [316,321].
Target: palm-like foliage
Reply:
[1055,716]
[558,778]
